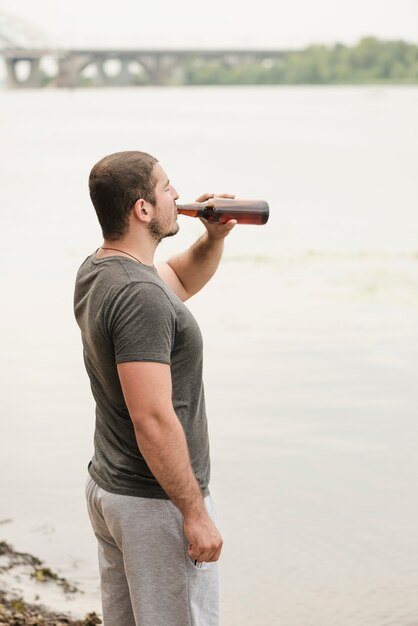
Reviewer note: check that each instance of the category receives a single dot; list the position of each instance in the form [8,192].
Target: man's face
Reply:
[164,223]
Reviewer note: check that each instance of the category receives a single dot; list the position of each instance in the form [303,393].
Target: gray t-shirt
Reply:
[127,313]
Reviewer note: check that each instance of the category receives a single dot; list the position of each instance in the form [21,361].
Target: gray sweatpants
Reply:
[147,576]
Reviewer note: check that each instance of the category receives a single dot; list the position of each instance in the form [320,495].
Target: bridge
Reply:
[119,67]
[27,52]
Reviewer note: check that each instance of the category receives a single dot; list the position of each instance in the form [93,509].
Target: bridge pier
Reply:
[70,67]
[153,68]
[34,78]
[159,67]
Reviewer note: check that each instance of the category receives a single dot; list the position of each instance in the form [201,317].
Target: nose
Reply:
[174,193]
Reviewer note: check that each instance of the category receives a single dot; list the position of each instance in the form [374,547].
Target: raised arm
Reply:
[147,391]
[189,271]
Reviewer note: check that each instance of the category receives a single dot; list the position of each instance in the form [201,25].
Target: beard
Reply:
[159,231]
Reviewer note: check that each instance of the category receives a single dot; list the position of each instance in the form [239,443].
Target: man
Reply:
[147,491]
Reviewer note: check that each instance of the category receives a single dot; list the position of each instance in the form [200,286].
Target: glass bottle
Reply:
[220,210]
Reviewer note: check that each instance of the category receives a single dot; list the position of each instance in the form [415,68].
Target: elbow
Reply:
[152,426]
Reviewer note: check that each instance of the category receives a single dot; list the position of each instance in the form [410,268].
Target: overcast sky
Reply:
[224,23]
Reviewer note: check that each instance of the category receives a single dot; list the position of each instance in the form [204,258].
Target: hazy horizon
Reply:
[290,24]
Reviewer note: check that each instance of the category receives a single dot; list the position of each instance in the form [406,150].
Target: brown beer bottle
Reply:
[220,210]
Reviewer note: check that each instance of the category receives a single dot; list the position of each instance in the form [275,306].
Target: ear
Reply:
[142,210]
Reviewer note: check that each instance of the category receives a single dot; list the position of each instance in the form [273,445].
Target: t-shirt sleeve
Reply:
[141,324]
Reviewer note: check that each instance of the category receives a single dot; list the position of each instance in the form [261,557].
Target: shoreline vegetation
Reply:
[14,610]
[371,60]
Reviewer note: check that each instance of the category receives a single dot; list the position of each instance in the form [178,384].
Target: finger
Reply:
[212,551]
[205,555]
[215,555]
[206,196]
[195,553]
[229,225]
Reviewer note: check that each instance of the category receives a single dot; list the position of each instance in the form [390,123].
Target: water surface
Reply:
[309,326]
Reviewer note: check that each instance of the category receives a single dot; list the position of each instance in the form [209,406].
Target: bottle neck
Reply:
[193,209]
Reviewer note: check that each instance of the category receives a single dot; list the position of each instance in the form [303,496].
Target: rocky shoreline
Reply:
[15,611]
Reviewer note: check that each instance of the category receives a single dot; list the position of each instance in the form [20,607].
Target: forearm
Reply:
[196,266]
[164,447]
[147,391]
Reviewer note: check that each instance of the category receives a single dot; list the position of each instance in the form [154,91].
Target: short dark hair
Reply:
[115,183]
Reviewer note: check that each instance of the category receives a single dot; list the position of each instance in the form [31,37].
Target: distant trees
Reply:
[370,61]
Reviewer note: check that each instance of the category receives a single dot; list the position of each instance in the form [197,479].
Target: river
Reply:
[310,330]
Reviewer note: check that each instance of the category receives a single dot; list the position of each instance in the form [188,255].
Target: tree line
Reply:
[371,60]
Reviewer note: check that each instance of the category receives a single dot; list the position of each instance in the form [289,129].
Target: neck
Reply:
[142,251]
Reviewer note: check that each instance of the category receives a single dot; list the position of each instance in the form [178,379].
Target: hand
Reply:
[217,231]
[205,541]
